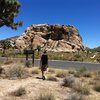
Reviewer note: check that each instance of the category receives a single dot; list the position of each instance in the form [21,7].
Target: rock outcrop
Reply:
[58,38]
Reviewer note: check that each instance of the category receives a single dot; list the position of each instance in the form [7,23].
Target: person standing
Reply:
[44,63]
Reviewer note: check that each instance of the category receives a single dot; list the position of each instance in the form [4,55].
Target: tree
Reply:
[8,10]
[5,44]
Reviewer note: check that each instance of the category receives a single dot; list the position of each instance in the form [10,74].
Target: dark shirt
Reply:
[44,59]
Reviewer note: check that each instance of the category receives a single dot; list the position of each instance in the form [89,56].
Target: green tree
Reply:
[5,44]
[9,9]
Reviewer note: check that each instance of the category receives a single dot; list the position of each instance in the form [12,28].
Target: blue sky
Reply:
[83,14]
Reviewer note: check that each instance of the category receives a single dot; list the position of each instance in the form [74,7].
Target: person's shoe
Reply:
[43,77]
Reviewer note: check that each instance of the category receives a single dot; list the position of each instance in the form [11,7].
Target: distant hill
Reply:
[96,49]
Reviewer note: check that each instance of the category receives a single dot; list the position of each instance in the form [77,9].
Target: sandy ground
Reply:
[35,86]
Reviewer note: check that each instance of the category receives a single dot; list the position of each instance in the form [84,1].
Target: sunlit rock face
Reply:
[57,38]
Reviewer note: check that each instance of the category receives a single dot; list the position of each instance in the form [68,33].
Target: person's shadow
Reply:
[38,77]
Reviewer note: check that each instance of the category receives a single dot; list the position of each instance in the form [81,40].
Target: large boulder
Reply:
[58,38]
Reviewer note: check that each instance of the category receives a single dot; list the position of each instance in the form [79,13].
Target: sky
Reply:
[83,14]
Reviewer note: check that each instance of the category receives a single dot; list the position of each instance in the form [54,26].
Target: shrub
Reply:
[76,96]
[19,92]
[28,64]
[77,57]
[16,72]
[8,62]
[80,88]
[97,87]
[61,74]
[46,96]
[98,73]
[87,74]
[80,71]
[35,71]
[97,78]
[68,81]
[71,72]
[51,70]
[51,78]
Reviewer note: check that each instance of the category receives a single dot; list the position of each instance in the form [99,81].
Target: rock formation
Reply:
[57,38]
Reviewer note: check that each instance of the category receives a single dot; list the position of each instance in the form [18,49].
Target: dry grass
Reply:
[51,70]
[19,92]
[35,71]
[81,88]
[76,96]
[16,72]
[72,71]
[96,87]
[87,74]
[46,96]
[8,62]
[61,74]
[52,78]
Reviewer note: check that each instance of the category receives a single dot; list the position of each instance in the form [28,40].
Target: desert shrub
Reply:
[51,70]
[46,96]
[81,88]
[97,87]
[80,71]
[52,78]
[76,96]
[71,71]
[98,73]
[16,72]
[92,82]
[19,92]
[77,57]
[35,71]
[61,74]
[68,81]
[98,60]
[87,74]
[8,62]
[28,64]
[97,77]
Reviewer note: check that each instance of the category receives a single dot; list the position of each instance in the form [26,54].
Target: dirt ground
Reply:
[34,86]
